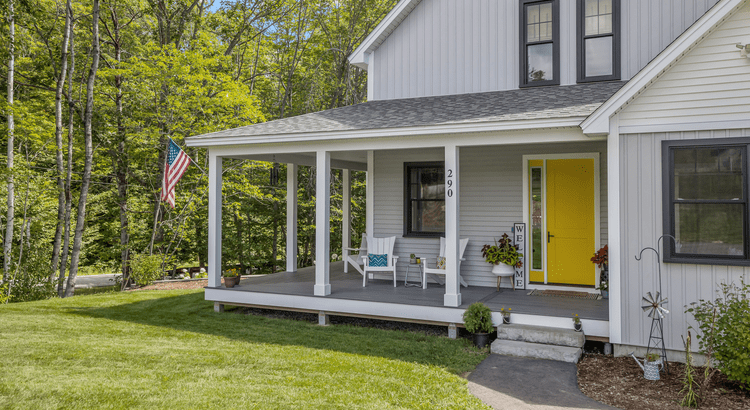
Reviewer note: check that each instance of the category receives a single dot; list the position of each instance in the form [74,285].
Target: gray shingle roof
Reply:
[522,104]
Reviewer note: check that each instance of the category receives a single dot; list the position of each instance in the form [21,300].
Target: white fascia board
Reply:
[205,142]
[598,122]
[389,23]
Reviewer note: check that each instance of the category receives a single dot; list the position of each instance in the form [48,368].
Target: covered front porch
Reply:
[294,291]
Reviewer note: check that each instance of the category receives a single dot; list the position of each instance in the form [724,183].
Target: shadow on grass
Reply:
[190,312]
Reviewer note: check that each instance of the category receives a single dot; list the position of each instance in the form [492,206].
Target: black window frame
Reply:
[668,201]
[524,44]
[408,167]
[582,37]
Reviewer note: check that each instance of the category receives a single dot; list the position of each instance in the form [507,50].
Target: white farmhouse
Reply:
[580,122]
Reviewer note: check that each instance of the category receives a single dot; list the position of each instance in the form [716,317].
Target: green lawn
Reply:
[168,349]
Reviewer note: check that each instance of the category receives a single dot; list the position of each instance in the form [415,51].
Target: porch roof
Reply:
[535,103]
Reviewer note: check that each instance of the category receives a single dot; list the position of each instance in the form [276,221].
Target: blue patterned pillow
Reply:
[378,260]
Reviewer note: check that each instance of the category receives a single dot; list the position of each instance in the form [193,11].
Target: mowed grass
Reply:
[168,349]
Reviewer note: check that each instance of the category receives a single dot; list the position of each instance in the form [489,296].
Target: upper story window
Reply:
[540,45]
[706,201]
[424,207]
[598,40]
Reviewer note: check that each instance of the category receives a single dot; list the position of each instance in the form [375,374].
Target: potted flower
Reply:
[604,288]
[577,323]
[601,259]
[413,259]
[478,321]
[503,255]
[231,278]
[506,315]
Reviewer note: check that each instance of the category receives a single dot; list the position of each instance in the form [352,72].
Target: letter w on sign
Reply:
[177,164]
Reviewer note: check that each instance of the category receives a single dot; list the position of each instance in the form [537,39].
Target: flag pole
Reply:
[191,159]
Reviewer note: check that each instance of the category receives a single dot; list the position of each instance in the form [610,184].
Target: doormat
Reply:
[564,294]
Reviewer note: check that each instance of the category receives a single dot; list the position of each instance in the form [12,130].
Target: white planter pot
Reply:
[503,270]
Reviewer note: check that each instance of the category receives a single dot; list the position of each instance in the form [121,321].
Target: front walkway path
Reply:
[505,382]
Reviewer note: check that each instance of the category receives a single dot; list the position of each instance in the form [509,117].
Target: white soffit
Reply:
[598,122]
[360,56]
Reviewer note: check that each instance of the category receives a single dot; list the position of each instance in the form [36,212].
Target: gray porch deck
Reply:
[348,286]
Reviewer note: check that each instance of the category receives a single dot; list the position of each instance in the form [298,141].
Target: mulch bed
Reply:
[619,382]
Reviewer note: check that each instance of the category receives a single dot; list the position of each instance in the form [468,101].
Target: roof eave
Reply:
[360,56]
[598,122]
[489,126]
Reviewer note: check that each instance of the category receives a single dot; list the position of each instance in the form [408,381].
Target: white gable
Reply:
[708,87]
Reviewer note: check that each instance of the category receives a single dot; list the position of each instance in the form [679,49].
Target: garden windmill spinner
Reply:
[654,306]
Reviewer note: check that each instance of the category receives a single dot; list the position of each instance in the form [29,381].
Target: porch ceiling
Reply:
[536,103]
[353,160]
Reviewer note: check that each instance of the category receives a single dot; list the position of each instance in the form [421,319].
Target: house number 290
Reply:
[449,183]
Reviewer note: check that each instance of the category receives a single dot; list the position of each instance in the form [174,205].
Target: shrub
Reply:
[725,330]
[478,318]
[145,269]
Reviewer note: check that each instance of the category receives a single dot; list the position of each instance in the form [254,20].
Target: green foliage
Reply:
[725,330]
[478,318]
[145,269]
[503,251]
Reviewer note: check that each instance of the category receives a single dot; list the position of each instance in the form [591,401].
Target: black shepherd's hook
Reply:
[658,256]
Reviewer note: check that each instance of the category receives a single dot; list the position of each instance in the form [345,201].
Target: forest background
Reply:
[94,90]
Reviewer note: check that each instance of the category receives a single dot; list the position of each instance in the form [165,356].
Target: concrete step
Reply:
[536,350]
[540,334]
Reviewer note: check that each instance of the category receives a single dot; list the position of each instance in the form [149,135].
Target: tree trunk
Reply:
[89,151]
[8,245]
[69,176]
[59,143]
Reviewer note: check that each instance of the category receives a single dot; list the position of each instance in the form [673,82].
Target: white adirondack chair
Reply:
[441,271]
[357,260]
[380,246]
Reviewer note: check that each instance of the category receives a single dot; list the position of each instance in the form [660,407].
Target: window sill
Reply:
[707,261]
[424,235]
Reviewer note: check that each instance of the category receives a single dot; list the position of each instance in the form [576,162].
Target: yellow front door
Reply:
[570,222]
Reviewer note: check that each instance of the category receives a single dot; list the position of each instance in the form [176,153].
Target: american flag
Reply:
[177,163]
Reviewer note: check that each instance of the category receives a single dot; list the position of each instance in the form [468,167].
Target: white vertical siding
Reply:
[491,198]
[648,26]
[465,46]
[641,217]
[711,83]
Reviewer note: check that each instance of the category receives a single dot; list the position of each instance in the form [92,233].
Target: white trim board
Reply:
[598,122]
[597,211]
[686,126]
[394,311]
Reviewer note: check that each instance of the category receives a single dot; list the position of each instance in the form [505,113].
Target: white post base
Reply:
[322,290]
[452,300]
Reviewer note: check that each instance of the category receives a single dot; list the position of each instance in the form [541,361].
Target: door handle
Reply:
[549,236]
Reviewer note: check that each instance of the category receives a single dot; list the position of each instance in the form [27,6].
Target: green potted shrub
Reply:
[231,278]
[413,259]
[478,321]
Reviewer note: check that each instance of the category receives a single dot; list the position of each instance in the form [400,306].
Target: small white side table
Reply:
[419,271]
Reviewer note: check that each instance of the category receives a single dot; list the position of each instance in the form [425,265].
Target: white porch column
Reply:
[370,194]
[214,220]
[613,228]
[291,218]
[322,223]
[452,295]
[346,207]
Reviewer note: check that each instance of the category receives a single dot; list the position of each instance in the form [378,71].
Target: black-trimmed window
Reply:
[424,195]
[706,201]
[598,32]
[540,45]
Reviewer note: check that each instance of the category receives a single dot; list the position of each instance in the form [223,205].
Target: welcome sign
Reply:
[519,239]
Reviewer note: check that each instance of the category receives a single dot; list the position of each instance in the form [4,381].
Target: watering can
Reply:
[650,369]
